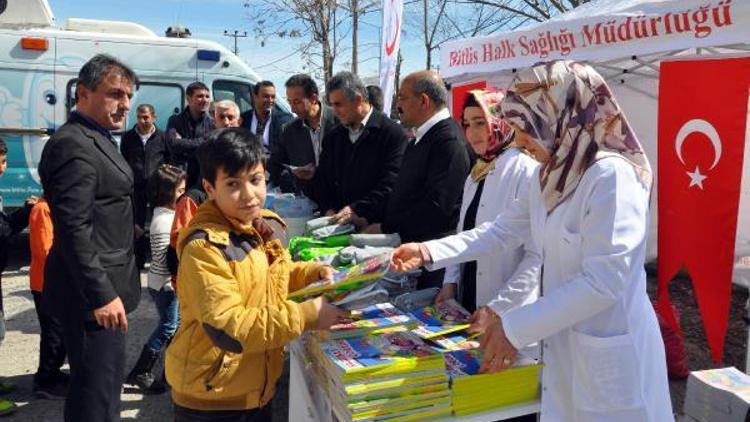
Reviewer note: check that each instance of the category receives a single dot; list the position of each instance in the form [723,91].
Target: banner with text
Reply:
[644,28]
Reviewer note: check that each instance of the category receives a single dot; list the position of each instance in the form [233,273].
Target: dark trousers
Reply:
[51,347]
[264,414]
[97,366]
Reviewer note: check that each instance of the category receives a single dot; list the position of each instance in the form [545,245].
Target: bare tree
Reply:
[357,9]
[317,21]
[445,20]
[536,10]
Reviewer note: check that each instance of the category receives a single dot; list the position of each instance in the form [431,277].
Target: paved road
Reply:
[19,357]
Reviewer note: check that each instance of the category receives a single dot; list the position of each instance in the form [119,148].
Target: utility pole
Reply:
[236,34]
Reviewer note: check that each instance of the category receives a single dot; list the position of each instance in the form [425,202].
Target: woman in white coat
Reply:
[501,174]
[586,218]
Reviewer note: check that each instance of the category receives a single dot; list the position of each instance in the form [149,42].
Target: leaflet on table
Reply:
[348,279]
[376,350]
[441,318]
[369,319]
[455,341]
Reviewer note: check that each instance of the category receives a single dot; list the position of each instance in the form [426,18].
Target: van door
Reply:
[27,111]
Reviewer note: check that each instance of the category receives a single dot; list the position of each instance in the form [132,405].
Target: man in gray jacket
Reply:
[295,157]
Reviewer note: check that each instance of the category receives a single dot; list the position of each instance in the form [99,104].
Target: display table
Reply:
[307,403]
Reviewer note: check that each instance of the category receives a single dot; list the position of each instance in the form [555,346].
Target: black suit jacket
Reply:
[295,147]
[143,159]
[426,201]
[89,187]
[361,175]
[279,119]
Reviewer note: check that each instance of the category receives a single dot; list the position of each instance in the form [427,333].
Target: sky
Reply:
[208,19]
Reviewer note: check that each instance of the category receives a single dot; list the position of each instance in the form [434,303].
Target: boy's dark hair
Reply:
[3,147]
[163,183]
[309,87]
[195,86]
[261,84]
[233,149]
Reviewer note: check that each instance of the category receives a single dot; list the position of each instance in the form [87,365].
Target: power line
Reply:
[236,34]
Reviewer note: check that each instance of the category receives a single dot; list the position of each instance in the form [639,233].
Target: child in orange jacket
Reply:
[49,381]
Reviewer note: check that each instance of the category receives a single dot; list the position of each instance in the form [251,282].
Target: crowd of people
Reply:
[545,184]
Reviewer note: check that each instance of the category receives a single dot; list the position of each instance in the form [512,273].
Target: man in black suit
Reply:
[91,281]
[361,158]
[144,149]
[301,140]
[427,198]
[265,120]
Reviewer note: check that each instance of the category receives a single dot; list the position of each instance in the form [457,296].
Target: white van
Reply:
[39,64]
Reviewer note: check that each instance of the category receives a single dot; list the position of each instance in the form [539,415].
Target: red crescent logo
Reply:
[391,46]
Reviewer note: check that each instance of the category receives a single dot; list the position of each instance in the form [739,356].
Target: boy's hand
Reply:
[326,273]
[328,314]
[32,200]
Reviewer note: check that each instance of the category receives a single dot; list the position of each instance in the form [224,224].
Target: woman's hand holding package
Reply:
[447,292]
[482,319]
[499,353]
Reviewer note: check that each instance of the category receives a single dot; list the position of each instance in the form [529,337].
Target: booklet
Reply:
[372,318]
[441,319]
[375,351]
[346,280]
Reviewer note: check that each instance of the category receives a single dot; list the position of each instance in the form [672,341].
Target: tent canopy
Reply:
[625,40]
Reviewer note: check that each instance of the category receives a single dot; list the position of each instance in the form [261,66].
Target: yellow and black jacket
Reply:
[235,316]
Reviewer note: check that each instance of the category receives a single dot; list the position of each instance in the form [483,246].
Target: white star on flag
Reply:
[696,178]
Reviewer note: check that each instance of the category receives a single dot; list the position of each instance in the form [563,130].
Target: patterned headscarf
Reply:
[567,108]
[500,132]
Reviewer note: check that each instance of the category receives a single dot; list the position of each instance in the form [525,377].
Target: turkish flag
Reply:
[703,106]
[458,97]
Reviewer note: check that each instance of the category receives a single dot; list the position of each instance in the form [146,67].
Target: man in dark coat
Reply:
[91,281]
[264,119]
[361,156]
[295,156]
[144,149]
[187,131]
[426,201]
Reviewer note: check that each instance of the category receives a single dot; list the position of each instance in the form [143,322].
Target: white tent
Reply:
[624,40]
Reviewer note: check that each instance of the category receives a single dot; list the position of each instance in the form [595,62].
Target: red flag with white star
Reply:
[703,108]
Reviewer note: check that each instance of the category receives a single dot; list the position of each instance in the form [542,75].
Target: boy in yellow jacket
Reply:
[232,284]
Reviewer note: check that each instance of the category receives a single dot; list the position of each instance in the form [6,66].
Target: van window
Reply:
[167,99]
[236,91]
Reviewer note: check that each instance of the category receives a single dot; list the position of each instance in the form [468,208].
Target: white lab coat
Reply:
[603,352]
[503,185]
